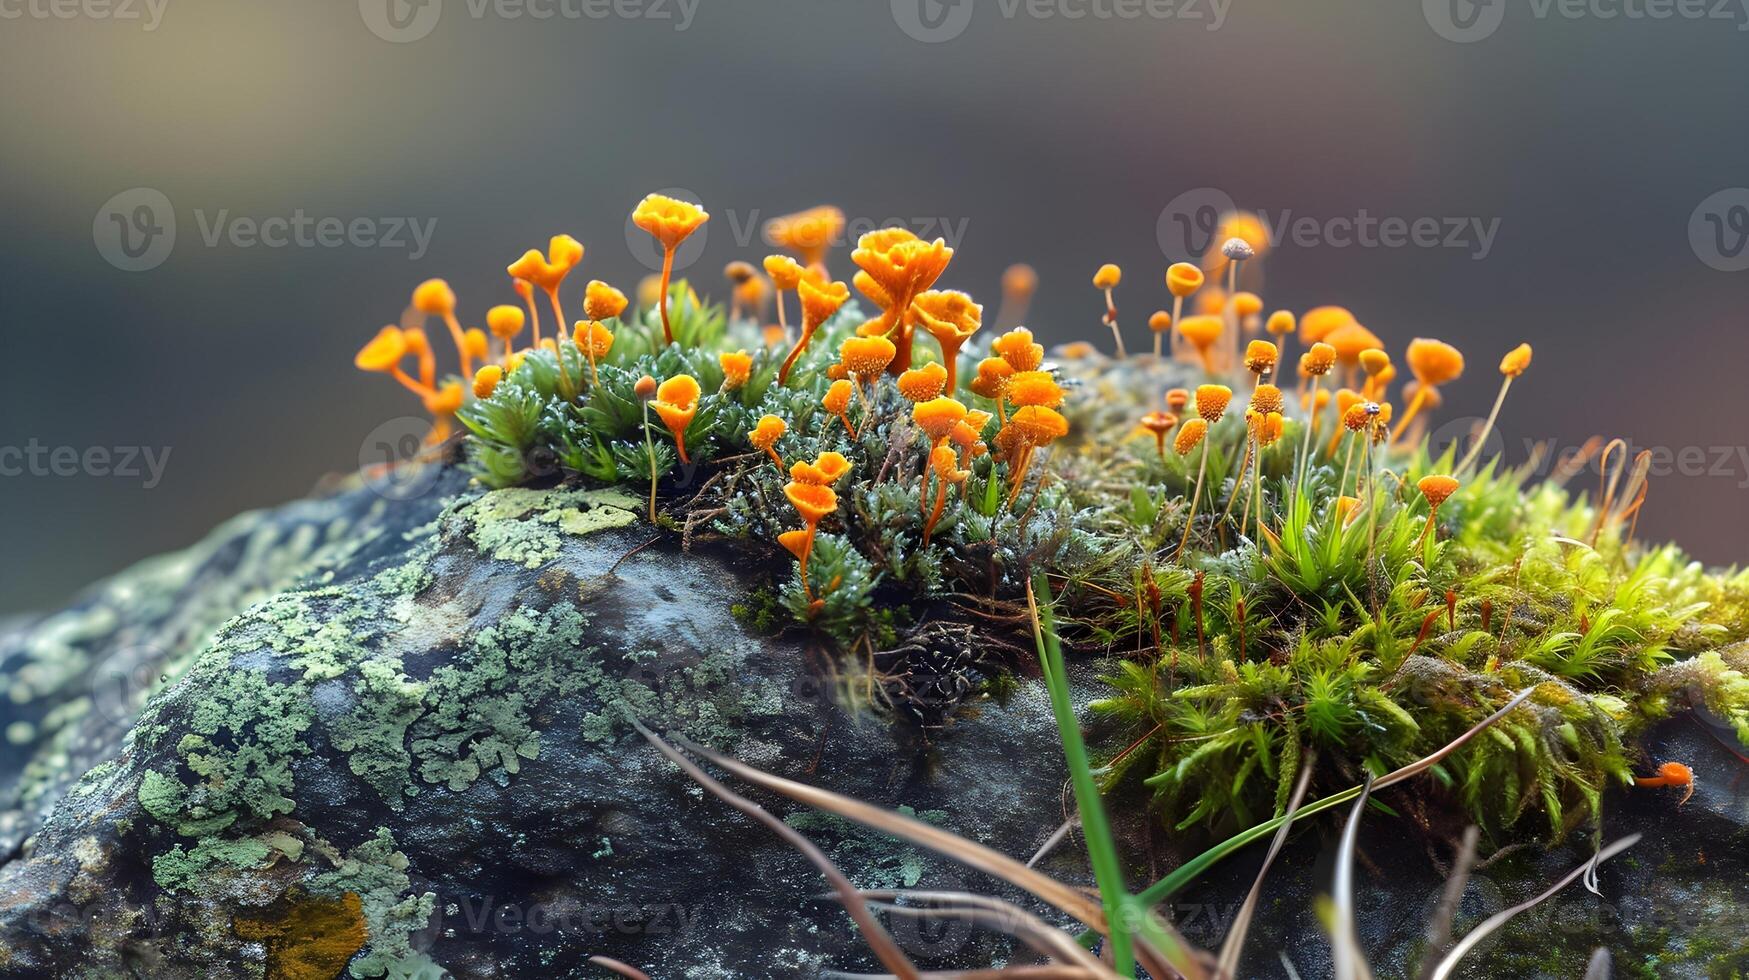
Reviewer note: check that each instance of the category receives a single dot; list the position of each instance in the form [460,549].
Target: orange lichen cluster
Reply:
[895,268]
[1231,335]
[533,271]
[393,344]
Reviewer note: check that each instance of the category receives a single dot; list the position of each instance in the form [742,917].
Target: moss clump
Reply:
[1245,636]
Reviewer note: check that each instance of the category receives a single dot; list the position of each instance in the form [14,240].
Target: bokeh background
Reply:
[1050,131]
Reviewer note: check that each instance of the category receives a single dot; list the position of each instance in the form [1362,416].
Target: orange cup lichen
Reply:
[764,436]
[670,221]
[951,318]
[923,383]
[676,402]
[820,301]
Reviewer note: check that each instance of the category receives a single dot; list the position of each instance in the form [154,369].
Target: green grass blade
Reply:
[1101,849]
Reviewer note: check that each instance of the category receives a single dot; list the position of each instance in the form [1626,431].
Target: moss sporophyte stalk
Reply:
[1306,574]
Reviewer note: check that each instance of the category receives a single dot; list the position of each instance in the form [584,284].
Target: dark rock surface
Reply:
[371,737]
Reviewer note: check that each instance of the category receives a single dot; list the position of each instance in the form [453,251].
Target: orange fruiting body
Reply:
[1515,361]
[1189,436]
[922,384]
[676,402]
[1320,359]
[486,380]
[1017,348]
[1183,278]
[603,302]
[1211,401]
[737,368]
[1260,356]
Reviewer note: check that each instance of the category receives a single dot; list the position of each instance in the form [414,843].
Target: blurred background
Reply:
[1584,165]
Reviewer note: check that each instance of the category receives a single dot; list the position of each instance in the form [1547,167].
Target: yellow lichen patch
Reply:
[312,940]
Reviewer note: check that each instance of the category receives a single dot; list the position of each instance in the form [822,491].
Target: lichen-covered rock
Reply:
[409,754]
[360,737]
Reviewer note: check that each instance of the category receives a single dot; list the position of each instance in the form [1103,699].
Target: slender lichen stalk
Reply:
[1305,456]
[650,450]
[1195,493]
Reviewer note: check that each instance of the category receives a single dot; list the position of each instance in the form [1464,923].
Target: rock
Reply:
[388,738]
